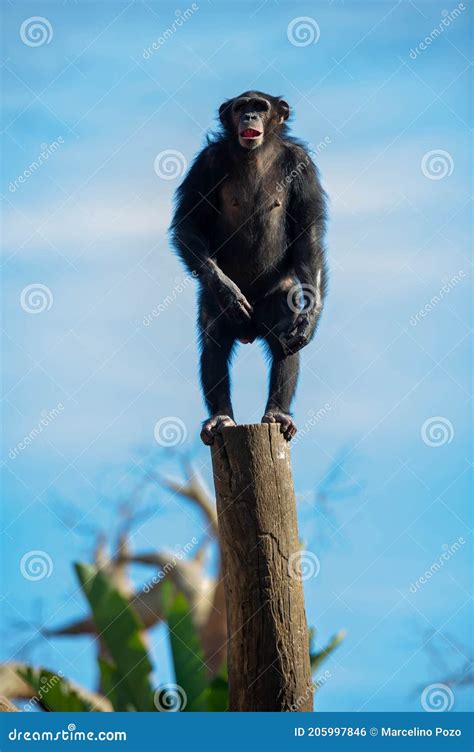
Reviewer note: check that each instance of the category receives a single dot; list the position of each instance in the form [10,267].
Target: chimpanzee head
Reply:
[253,117]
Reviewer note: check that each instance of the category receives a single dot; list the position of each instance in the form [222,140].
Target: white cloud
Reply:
[83,226]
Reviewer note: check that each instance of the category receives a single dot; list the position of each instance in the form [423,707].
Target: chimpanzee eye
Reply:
[239,105]
[259,105]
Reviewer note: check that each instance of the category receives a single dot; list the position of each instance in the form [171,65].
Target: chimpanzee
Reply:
[249,223]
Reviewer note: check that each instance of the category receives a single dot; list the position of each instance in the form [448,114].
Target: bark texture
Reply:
[268,644]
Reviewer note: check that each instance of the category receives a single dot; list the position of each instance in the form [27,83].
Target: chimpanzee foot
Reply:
[287,425]
[212,426]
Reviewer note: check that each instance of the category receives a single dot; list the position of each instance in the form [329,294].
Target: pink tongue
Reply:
[250,133]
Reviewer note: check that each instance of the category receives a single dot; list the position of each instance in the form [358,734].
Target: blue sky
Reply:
[90,225]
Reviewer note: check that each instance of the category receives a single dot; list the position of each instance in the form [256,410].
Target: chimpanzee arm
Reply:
[195,217]
[307,220]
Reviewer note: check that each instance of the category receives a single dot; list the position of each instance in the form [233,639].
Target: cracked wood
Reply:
[268,644]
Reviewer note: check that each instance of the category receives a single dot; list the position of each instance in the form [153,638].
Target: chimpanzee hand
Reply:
[300,333]
[233,302]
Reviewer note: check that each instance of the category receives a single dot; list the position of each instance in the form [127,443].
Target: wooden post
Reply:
[268,644]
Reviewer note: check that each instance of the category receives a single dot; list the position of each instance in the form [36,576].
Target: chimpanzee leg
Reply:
[283,379]
[215,375]
[217,345]
[276,317]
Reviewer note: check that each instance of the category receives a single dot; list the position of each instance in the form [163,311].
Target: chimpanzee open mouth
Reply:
[250,133]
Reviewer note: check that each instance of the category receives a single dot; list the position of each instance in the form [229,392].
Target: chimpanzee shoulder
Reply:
[297,153]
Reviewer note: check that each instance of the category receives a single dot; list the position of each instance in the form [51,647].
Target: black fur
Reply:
[250,223]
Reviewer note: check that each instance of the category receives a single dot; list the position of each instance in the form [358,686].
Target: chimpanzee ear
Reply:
[283,110]
[224,112]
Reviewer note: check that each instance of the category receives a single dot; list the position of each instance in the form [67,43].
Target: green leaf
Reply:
[119,627]
[53,691]
[188,656]
[112,687]
[218,695]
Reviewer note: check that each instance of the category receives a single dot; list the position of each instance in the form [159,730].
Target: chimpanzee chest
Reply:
[241,206]
[251,231]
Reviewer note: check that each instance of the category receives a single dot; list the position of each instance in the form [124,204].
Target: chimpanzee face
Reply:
[252,116]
